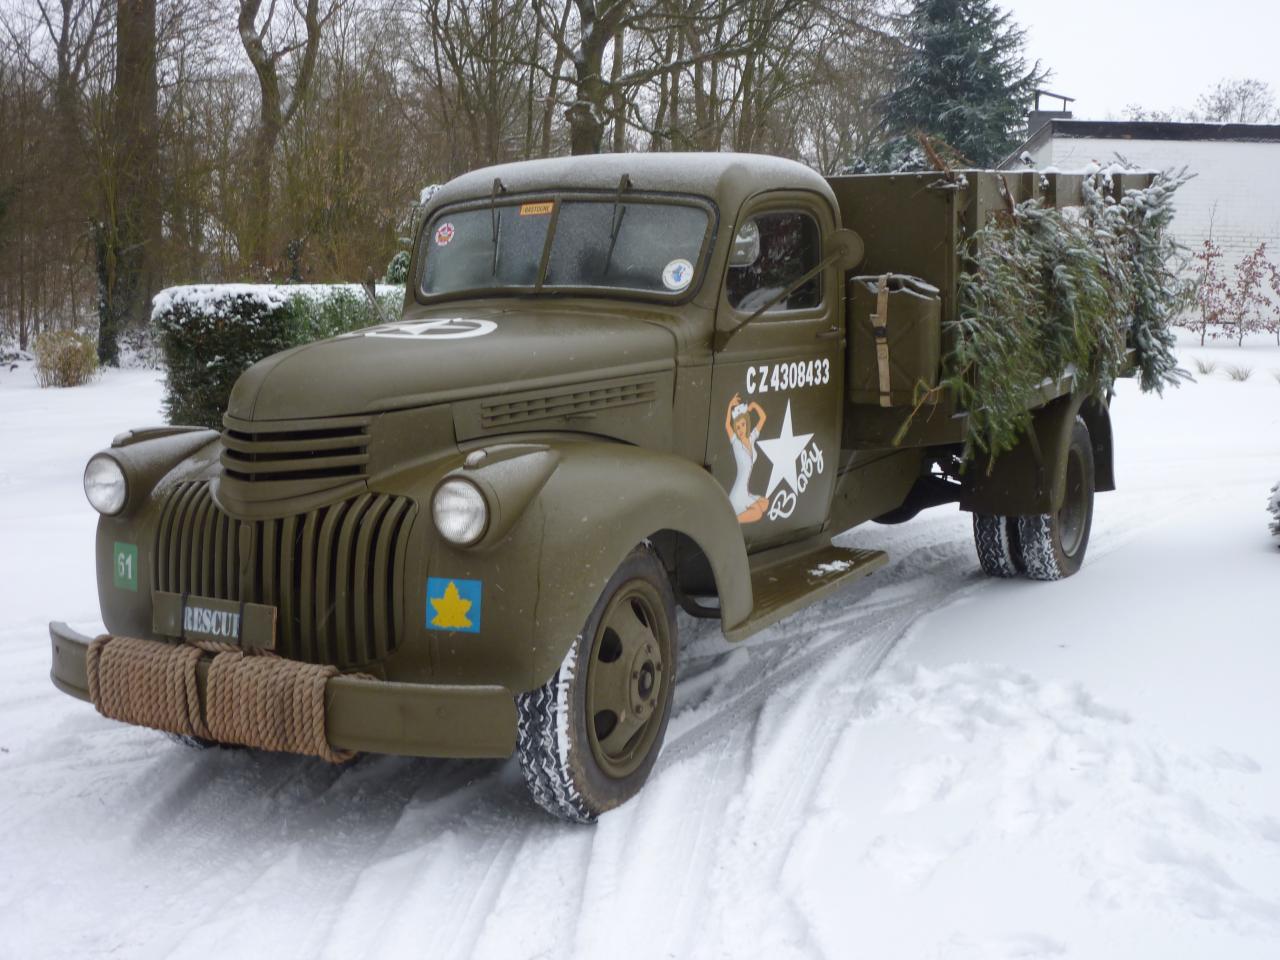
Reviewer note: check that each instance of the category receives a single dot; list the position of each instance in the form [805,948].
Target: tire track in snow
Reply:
[439,855]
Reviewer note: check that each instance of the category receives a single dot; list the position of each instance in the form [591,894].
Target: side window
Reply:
[770,252]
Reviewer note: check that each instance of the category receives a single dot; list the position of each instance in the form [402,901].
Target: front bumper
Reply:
[368,716]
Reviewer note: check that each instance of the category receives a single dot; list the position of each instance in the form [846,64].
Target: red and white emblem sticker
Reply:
[444,233]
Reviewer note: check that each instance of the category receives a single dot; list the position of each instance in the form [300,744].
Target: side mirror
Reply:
[850,248]
[746,245]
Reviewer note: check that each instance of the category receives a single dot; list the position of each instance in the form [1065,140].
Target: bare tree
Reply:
[713,31]
[476,69]
[293,40]
[1238,101]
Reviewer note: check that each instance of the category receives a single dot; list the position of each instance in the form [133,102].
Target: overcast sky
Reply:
[1157,53]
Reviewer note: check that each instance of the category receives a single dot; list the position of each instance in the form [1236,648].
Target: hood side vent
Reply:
[270,460]
[564,404]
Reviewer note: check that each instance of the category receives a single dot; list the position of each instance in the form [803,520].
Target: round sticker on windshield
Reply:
[444,233]
[677,274]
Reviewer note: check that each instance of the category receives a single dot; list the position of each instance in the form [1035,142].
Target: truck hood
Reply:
[442,357]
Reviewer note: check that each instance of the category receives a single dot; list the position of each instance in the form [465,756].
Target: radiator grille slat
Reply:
[333,573]
[362,569]
[287,615]
[179,535]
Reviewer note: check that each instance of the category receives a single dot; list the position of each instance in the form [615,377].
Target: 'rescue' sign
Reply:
[250,625]
[214,624]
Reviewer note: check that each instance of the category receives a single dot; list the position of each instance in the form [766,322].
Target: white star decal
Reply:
[783,452]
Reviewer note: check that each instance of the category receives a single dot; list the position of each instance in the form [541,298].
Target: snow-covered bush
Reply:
[326,311]
[210,334]
[398,268]
[1274,506]
[65,358]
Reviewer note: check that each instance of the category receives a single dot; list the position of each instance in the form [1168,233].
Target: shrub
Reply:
[1240,374]
[210,334]
[1238,305]
[1273,505]
[323,312]
[65,358]
[1205,367]
[398,268]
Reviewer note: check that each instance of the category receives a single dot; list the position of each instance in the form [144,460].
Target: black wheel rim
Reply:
[1074,515]
[628,677]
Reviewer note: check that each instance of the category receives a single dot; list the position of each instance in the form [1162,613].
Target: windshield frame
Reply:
[539,289]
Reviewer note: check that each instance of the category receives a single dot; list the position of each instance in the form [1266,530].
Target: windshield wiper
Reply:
[615,219]
[495,220]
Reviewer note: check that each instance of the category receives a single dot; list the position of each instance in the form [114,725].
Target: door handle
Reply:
[831,334]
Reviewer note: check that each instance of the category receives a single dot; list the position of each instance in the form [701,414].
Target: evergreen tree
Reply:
[964,79]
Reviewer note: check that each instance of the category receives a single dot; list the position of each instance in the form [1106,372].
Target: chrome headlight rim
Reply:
[456,493]
[106,493]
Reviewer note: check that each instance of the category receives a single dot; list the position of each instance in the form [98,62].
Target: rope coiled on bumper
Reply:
[256,701]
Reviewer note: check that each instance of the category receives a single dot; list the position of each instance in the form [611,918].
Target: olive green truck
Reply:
[619,385]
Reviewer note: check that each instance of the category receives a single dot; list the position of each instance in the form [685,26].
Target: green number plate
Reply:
[124,565]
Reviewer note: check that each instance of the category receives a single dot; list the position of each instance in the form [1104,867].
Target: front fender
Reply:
[149,459]
[542,578]
[604,500]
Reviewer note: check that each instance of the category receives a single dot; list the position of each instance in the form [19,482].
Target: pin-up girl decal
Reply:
[749,506]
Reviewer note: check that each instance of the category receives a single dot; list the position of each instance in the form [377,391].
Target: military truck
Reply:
[619,386]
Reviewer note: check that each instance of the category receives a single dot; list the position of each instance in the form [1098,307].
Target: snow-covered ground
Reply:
[928,765]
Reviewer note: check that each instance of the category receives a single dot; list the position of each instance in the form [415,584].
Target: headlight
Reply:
[105,485]
[460,512]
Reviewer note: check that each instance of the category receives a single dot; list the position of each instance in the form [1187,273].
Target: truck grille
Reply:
[294,457]
[333,574]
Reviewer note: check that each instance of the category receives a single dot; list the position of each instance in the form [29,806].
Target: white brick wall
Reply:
[1235,197]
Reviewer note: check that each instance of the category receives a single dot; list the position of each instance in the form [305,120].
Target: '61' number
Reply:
[125,565]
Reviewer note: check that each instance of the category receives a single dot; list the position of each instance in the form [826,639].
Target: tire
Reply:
[588,738]
[1053,545]
[996,539]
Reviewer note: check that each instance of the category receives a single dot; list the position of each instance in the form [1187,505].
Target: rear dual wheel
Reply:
[1045,546]
[588,738]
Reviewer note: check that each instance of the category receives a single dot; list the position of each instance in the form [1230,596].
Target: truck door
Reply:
[778,384]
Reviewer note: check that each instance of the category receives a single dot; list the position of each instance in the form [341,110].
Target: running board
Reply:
[789,584]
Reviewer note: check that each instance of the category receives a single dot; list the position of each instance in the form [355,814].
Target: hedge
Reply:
[211,333]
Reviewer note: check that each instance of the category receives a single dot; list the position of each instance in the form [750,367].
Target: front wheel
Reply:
[588,738]
[1052,545]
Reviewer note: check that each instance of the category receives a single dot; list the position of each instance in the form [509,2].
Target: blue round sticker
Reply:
[677,274]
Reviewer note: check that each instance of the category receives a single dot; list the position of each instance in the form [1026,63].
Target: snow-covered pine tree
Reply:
[964,80]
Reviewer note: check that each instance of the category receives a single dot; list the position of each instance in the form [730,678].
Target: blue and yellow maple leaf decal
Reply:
[453,604]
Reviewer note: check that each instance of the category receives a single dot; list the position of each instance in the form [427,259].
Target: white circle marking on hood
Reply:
[443,328]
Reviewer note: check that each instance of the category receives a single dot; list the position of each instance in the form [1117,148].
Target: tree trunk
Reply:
[264,149]
[585,129]
[133,231]
[619,100]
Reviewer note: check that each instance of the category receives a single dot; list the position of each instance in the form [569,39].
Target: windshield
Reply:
[640,246]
